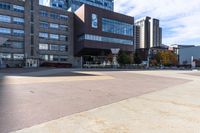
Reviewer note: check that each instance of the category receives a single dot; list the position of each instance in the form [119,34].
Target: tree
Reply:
[166,58]
[124,58]
[137,59]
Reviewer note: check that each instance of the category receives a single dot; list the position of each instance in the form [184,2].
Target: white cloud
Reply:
[180,19]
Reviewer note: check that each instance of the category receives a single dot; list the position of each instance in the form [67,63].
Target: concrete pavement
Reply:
[150,101]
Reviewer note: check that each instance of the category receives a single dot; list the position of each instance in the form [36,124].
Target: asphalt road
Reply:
[30,100]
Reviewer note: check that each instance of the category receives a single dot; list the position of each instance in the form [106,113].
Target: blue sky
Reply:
[180,19]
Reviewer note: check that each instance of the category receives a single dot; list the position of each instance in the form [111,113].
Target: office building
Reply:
[143,32]
[149,33]
[32,35]
[73,5]
[155,33]
[104,4]
[99,30]
[188,53]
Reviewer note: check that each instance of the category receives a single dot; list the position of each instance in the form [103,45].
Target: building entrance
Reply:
[96,61]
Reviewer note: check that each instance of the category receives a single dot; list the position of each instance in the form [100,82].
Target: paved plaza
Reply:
[85,101]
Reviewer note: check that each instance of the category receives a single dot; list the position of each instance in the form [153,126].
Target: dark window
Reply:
[43,13]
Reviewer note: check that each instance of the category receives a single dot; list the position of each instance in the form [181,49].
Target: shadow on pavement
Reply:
[40,72]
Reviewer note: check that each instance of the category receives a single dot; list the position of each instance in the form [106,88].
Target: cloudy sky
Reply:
[180,19]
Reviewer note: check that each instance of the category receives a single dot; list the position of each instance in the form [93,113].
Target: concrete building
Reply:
[149,33]
[143,32]
[73,5]
[32,35]
[104,4]
[155,33]
[186,53]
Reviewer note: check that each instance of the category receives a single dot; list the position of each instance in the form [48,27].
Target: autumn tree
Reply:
[166,58]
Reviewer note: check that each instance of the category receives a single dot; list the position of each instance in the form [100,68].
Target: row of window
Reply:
[53,58]
[53,26]
[11,56]
[44,35]
[106,39]
[13,44]
[9,19]
[14,32]
[15,8]
[117,27]
[105,4]
[53,47]
[53,15]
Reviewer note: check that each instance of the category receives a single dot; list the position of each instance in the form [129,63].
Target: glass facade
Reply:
[44,57]
[54,26]
[44,25]
[54,36]
[5,55]
[5,31]
[18,32]
[18,20]
[43,46]
[43,35]
[18,56]
[54,47]
[105,4]
[4,18]
[15,8]
[117,27]
[13,44]
[105,39]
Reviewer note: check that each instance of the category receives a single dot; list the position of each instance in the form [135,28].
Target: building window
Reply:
[94,21]
[5,55]
[18,56]
[5,31]
[6,19]
[18,8]
[43,47]
[54,36]
[13,44]
[18,20]
[63,58]
[43,35]
[106,39]
[64,27]
[44,57]
[43,13]
[54,26]
[117,27]
[18,32]
[5,6]
[63,38]
[62,48]
[54,58]
[54,47]
[44,25]
[18,45]
[63,17]
[54,16]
